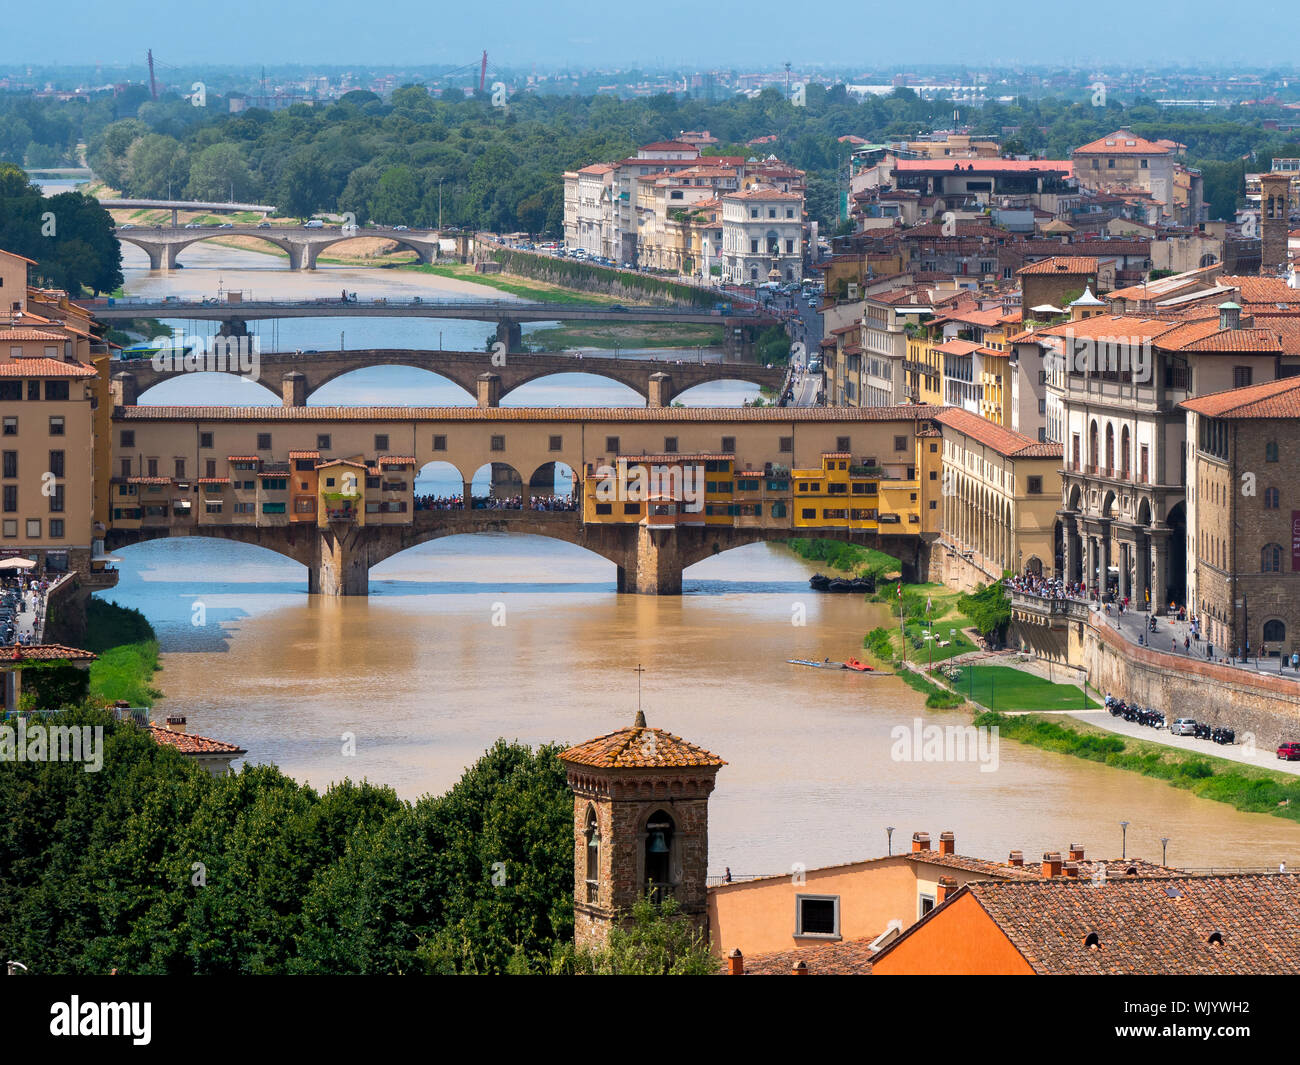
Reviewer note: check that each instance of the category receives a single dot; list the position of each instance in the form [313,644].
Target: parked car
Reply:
[400,229]
[192,225]
[618,307]
[263,225]
[1183,726]
[1289,752]
[315,223]
[226,225]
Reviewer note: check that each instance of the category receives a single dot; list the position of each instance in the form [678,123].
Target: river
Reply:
[470,638]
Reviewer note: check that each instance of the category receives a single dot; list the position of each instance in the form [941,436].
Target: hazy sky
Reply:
[756,33]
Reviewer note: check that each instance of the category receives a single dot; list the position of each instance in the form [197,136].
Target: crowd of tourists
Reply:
[457,502]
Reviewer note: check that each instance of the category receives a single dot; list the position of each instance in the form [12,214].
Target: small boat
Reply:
[828,664]
[818,582]
[860,667]
[839,585]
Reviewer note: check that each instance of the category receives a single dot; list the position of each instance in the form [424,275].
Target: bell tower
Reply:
[640,826]
[1275,213]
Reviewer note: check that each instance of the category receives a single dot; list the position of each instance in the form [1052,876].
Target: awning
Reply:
[17,563]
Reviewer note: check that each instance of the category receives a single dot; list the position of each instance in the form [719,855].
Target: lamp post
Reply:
[1124,846]
[1164,850]
[890,832]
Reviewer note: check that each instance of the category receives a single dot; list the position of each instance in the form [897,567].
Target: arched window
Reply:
[1270,451]
[593,856]
[658,855]
[753,273]
[1270,499]
[1274,631]
[1271,559]
[1110,447]
[1092,446]
[1123,453]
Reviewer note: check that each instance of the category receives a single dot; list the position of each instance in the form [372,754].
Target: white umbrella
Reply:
[17,563]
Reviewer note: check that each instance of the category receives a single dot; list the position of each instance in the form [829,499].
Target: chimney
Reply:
[799,969]
[1017,858]
[947,885]
[736,963]
[947,843]
[1076,853]
[176,722]
[1051,864]
[920,841]
[1072,869]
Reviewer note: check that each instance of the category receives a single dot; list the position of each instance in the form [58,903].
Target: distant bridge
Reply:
[176,206]
[303,244]
[297,376]
[508,314]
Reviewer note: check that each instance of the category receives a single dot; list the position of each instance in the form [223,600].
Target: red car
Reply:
[1289,752]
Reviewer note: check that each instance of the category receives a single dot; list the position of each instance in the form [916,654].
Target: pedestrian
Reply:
[1187,645]
[1173,645]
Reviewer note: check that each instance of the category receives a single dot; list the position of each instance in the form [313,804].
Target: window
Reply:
[817,915]
[1241,376]
[56,500]
[900,443]
[56,529]
[1270,499]
[786,444]
[180,469]
[56,389]
[934,475]
[498,443]
[1271,559]
[205,439]
[152,465]
[11,527]
[245,508]
[925,903]
[631,508]
[728,445]
[126,467]
[670,445]
[808,513]
[33,390]
[842,443]
[556,443]
[263,441]
[56,425]
[593,855]
[11,463]
[1034,486]
[1274,631]
[439,443]
[128,438]
[11,499]
[12,391]
[611,444]
[604,508]
[275,484]
[210,468]
[381,441]
[322,441]
[272,508]
[33,528]
[1270,451]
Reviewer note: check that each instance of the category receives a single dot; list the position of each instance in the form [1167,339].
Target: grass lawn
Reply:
[128,654]
[1004,688]
[641,335]
[958,644]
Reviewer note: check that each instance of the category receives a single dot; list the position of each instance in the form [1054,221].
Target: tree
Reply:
[396,197]
[659,942]
[220,173]
[157,167]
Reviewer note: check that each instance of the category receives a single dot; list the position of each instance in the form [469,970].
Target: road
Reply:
[1243,750]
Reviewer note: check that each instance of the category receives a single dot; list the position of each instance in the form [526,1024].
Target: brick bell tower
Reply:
[1274,219]
[640,826]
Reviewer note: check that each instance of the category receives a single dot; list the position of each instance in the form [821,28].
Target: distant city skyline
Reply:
[572,33]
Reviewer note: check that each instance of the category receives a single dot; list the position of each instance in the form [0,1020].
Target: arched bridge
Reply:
[486,377]
[339,559]
[303,244]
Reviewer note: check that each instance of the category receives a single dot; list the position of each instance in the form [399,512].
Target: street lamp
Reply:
[890,831]
[1124,846]
[1164,850]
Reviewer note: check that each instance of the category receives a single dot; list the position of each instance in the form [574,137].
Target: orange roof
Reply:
[241,458]
[396,460]
[957,347]
[1273,399]
[19,333]
[1122,142]
[1003,441]
[41,367]
[188,743]
[1062,264]
[46,652]
[1261,289]
[639,747]
[304,454]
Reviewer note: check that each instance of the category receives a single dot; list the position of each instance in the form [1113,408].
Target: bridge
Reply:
[740,324]
[488,378]
[176,206]
[255,474]
[302,244]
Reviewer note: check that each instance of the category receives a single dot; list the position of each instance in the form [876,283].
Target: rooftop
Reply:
[1273,399]
[639,747]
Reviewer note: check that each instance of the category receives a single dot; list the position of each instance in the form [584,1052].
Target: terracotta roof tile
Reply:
[1272,399]
[639,747]
[42,367]
[46,652]
[188,743]
[1151,925]
[1061,264]
[1003,441]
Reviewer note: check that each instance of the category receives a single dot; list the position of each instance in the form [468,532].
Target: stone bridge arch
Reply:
[162,253]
